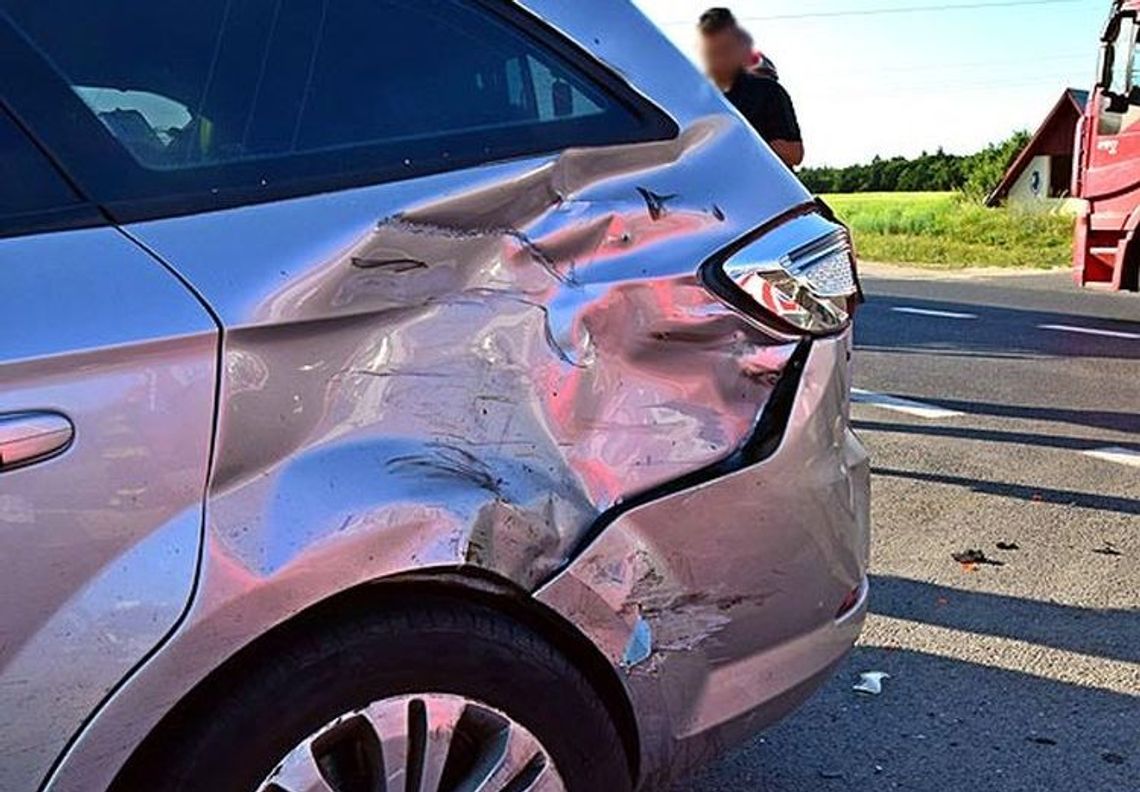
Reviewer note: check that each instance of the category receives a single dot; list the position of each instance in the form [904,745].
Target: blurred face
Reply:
[723,54]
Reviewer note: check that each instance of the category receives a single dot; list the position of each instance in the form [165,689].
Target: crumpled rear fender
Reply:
[462,370]
[504,365]
[719,601]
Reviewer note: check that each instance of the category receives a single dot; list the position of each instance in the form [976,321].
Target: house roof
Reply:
[1060,126]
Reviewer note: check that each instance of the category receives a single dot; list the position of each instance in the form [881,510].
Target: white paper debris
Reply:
[871,682]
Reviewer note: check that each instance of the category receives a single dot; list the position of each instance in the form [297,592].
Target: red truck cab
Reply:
[1107,176]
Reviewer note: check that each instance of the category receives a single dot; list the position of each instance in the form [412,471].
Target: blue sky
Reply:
[899,83]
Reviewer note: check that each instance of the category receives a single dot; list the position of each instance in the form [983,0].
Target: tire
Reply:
[229,736]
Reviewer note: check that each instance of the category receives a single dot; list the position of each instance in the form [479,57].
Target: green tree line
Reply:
[976,175]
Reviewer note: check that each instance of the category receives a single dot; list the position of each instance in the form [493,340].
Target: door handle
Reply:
[30,437]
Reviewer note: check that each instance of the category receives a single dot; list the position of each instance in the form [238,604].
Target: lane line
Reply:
[887,402]
[1121,456]
[1090,331]
[938,314]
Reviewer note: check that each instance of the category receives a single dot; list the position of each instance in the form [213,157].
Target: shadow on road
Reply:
[1113,634]
[976,702]
[1095,419]
[1003,489]
[942,726]
[945,725]
[988,435]
[1000,331]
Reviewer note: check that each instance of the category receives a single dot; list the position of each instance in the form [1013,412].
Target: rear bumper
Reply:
[726,604]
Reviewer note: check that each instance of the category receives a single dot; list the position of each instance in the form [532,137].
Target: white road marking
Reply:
[937,314]
[907,406]
[1122,456]
[1091,331]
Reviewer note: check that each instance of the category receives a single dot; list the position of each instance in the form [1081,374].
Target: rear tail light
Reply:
[799,276]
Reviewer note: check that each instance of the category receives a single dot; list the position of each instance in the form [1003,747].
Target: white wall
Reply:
[1023,189]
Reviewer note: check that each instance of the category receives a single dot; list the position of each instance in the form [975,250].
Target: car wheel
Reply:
[435,697]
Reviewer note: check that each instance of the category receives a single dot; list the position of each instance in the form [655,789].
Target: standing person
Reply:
[726,49]
[757,62]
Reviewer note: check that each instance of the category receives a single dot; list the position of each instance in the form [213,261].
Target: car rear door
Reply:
[107,387]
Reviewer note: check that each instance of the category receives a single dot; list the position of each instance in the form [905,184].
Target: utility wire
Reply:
[946,67]
[1058,86]
[899,10]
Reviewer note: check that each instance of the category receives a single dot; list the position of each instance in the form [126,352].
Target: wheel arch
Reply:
[464,585]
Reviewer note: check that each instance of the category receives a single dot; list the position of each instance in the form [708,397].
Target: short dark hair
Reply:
[717,20]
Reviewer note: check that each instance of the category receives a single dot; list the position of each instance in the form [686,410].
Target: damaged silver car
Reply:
[406,395]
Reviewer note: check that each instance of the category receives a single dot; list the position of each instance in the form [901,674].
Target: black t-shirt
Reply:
[766,105]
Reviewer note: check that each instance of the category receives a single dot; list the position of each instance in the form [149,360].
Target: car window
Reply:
[184,86]
[1124,62]
[28,182]
[30,186]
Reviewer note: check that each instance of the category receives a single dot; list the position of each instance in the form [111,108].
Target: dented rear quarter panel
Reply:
[734,584]
[466,369]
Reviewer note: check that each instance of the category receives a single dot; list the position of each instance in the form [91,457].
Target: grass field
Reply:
[945,230]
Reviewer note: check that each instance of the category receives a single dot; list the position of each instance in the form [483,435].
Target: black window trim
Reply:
[45,221]
[82,214]
[93,159]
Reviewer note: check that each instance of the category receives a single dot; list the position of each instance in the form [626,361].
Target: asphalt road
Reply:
[1006,678]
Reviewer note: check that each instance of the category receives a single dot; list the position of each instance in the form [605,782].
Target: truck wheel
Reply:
[435,697]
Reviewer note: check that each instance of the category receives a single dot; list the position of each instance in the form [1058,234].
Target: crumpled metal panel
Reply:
[462,369]
[466,369]
[719,600]
[505,364]
[414,381]
[499,361]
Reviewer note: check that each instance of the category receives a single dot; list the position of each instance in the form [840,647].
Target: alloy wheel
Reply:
[420,743]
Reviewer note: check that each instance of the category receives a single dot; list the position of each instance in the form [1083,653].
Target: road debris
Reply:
[871,682]
[1008,546]
[1041,740]
[972,559]
[1112,758]
[1109,549]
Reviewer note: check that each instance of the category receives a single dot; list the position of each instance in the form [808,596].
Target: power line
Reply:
[914,9]
[1056,83]
[982,90]
[946,66]
[897,10]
